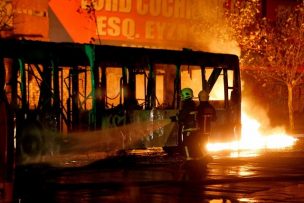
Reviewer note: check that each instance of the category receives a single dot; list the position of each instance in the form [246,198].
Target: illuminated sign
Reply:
[136,22]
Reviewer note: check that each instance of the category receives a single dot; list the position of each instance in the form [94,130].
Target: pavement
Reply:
[151,175]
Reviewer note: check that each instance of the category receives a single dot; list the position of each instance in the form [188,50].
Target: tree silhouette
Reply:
[274,48]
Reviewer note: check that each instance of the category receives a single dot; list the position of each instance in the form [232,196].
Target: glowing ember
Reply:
[253,139]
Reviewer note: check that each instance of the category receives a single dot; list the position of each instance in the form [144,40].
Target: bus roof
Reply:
[75,54]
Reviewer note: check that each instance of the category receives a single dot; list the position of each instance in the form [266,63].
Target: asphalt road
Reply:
[265,176]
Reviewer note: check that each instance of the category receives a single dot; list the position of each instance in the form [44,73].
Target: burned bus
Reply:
[121,97]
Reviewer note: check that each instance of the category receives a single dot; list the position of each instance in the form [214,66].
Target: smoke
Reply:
[209,29]
[81,148]
[261,115]
[111,139]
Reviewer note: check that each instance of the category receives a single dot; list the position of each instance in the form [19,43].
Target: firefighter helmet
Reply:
[186,93]
[203,95]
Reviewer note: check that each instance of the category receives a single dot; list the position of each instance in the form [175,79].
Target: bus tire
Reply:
[31,142]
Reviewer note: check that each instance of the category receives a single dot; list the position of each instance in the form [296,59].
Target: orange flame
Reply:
[253,139]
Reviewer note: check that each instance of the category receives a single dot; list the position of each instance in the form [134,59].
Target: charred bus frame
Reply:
[45,62]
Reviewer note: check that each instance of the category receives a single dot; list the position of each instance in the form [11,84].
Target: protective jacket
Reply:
[187,115]
[206,114]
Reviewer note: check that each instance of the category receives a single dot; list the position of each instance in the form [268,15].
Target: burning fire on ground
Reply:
[254,139]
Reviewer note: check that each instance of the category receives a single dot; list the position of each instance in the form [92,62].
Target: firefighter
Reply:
[186,119]
[205,115]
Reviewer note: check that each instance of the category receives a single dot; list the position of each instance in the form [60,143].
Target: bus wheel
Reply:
[31,143]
